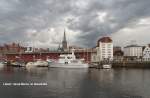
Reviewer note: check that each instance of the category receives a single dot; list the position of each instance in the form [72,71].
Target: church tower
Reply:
[64,42]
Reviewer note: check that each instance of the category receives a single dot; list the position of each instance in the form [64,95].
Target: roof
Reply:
[132,46]
[105,40]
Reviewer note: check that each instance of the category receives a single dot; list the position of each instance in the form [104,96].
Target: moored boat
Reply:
[69,61]
[41,63]
[107,66]
[17,64]
[2,64]
[37,63]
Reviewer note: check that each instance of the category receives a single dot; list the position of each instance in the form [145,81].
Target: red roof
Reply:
[105,40]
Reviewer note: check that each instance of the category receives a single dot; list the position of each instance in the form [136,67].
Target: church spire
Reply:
[64,39]
[64,42]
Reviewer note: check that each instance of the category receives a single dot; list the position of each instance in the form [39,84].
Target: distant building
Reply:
[12,48]
[133,52]
[118,54]
[146,53]
[104,50]
[59,48]
[29,49]
[116,48]
[77,48]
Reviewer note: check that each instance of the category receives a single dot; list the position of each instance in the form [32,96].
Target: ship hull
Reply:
[59,65]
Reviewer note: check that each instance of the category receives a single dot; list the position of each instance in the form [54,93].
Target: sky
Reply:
[41,23]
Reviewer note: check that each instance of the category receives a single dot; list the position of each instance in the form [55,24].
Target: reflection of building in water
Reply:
[34,71]
[64,79]
[102,76]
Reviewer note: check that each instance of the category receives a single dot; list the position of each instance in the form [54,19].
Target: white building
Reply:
[133,52]
[29,49]
[104,50]
[146,54]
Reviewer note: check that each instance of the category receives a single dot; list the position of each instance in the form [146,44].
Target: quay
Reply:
[121,64]
[27,57]
[131,64]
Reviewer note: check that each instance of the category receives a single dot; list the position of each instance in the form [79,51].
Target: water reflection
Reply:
[76,83]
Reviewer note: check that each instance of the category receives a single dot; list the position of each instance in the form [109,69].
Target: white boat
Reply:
[37,63]
[107,66]
[30,64]
[17,64]
[69,61]
[2,64]
[50,61]
[41,63]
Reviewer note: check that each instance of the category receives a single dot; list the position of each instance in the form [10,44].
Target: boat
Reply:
[17,64]
[69,61]
[30,64]
[107,66]
[37,63]
[50,61]
[41,63]
[2,64]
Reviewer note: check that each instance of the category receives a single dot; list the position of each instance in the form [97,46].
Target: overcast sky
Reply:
[41,23]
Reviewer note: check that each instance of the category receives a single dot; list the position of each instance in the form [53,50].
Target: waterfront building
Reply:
[104,50]
[133,52]
[29,49]
[117,53]
[146,53]
[12,48]
[116,48]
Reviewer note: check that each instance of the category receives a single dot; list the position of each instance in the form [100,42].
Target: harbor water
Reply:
[74,83]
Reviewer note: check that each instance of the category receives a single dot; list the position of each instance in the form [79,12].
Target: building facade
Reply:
[133,52]
[146,54]
[104,50]
[12,48]
[117,54]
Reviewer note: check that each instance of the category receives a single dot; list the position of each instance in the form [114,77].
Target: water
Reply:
[75,83]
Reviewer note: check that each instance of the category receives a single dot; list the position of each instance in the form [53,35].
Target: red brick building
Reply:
[12,48]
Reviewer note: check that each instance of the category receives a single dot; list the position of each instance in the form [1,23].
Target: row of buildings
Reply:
[17,48]
[104,50]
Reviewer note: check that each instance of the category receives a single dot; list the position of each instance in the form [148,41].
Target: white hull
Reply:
[1,65]
[37,64]
[59,65]
[107,66]
[69,61]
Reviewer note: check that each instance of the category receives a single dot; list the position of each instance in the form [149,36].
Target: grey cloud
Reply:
[19,16]
[124,13]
